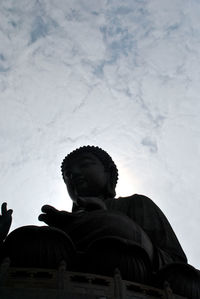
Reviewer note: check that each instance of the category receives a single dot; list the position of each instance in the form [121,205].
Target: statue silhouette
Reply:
[102,232]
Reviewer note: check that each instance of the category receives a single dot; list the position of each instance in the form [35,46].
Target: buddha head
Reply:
[89,171]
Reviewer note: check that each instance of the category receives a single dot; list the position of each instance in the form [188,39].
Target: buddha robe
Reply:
[143,211]
[135,219]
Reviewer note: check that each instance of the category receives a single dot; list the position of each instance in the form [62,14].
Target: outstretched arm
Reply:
[61,219]
[55,218]
[5,221]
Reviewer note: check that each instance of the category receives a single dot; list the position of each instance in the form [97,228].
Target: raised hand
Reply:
[5,221]
[55,218]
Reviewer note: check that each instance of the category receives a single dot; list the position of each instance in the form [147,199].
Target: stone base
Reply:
[29,283]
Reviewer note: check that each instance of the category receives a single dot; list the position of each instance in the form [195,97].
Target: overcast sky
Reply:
[123,75]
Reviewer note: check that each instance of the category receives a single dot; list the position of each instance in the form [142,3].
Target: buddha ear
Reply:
[110,183]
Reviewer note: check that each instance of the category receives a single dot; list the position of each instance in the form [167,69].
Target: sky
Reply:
[122,75]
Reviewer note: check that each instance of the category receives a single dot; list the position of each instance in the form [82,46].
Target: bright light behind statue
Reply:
[63,201]
[127,183]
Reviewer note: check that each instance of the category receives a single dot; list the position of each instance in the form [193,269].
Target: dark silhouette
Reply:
[91,177]
[104,233]
[5,221]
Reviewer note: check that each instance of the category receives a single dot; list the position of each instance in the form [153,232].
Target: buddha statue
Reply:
[99,218]
[91,177]
[103,232]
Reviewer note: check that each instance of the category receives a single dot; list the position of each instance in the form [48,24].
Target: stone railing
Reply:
[35,283]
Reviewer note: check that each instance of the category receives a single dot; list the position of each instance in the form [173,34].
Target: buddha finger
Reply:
[48,209]
[4,208]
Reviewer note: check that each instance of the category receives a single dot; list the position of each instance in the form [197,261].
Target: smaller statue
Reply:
[5,221]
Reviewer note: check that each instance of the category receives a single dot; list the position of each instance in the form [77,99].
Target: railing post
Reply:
[61,275]
[4,267]
[119,287]
[168,293]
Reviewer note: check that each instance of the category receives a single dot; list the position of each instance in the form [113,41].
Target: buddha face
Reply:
[86,176]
